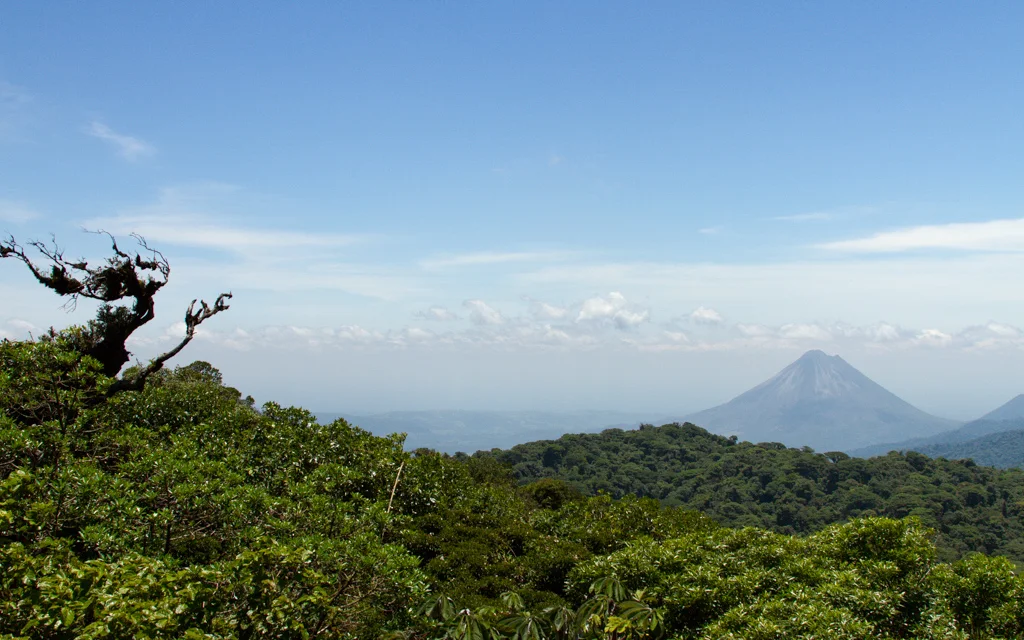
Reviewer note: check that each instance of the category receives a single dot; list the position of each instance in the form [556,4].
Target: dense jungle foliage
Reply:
[972,508]
[181,510]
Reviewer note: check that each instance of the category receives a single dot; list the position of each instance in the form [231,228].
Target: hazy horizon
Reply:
[601,390]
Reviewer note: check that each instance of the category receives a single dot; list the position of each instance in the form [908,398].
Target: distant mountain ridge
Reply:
[1003,449]
[823,402]
[967,433]
[1007,417]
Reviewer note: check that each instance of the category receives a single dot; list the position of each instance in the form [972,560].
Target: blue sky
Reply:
[537,205]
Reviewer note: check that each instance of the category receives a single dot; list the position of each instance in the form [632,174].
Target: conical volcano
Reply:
[822,402]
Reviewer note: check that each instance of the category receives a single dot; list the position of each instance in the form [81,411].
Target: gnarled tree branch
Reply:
[193,319]
[122,276]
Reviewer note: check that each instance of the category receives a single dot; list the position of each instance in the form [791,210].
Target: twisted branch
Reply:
[137,276]
[193,319]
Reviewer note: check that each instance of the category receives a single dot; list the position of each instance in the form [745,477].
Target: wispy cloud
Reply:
[293,274]
[192,230]
[192,216]
[16,212]
[256,253]
[441,314]
[992,235]
[546,311]
[804,217]
[827,214]
[494,257]
[710,231]
[18,329]
[907,288]
[128,147]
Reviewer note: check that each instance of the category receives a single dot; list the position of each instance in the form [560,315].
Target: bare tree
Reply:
[122,276]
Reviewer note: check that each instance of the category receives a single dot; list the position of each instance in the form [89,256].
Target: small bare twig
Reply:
[395,485]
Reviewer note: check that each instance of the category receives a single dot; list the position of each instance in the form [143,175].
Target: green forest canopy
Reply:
[181,510]
[972,508]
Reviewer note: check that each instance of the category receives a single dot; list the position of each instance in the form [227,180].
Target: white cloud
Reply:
[493,331]
[294,274]
[829,214]
[614,308]
[804,217]
[128,147]
[991,335]
[800,331]
[544,311]
[881,332]
[755,330]
[441,314]
[933,338]
[992,235]
[355,333]
[22,325]
[18,329]
[16,212]
[705,315]
[558,336]
[191,230]
[1003,330]
[910,291]
[410,336]
[710,231]
[254,256]
[482,313]
[494,257]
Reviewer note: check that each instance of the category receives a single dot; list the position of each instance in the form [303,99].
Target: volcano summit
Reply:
[822,402]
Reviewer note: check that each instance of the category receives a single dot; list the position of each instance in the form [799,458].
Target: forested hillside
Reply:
[970,431]
[1004,449]
[180,510]
[973,508]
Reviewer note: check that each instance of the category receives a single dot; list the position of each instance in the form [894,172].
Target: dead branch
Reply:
[193,319]
[123,276]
